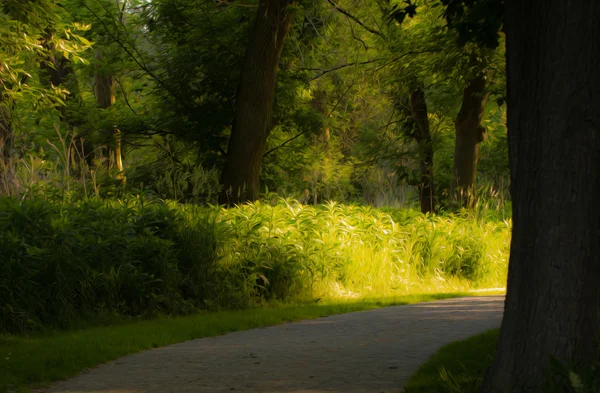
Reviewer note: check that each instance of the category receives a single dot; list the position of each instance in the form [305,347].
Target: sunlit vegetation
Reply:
[165,158]
[63,262]
[151,165]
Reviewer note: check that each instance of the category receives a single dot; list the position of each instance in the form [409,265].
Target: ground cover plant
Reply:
[93,259]
[460,367]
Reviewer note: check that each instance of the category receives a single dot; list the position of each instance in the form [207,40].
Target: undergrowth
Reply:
[63,262]
[460,367]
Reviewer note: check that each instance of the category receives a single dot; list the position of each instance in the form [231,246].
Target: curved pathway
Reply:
[363,352]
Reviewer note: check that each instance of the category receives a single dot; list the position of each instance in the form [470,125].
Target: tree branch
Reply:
[338,67]
[355,19]
[305,131]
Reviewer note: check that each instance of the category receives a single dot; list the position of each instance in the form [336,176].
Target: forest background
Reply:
[360,147]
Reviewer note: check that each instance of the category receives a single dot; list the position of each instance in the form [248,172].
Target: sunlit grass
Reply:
[32,360]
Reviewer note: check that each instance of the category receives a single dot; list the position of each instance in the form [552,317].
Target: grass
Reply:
[133,257]
[28,361]
[458,367]
[81,263]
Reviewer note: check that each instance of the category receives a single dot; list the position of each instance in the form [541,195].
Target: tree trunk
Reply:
[58,70]
[321,144]
[105,97]
[6,133]
[469,134]
[254,103]
[422,135]
[553,300]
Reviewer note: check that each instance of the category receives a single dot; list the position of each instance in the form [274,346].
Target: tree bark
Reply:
[321,143]
[6,136]
[553,299]
[58,70]
[105,97]
[422,135]
[469,134]
[6,133]
[254,103]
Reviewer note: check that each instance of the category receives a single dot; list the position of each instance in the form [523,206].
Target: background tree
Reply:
[254,102]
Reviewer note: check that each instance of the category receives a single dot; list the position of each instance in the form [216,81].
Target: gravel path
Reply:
[364,352]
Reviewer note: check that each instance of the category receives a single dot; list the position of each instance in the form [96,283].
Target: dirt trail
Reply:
[364,352]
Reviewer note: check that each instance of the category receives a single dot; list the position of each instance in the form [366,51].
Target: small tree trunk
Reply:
[58,70]
[254,103]
[553,299]
[422,135]
[6,133]
[469,134]
[321,144]
[105,97]
[6,141]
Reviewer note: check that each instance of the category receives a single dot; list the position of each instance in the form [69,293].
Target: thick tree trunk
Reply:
[254,103]
[553,299]
[422,135]
[469,134]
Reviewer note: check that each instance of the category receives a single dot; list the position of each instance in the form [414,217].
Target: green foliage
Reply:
[176,68]
[475,20]
[62,262]
[460,367]
[570,377]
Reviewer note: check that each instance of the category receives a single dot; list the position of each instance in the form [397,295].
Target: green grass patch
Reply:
[458,367]
[32,360]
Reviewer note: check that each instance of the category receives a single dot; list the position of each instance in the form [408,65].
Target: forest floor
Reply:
[363,352]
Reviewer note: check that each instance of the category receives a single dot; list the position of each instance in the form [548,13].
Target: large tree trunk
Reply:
[553,299]
[422,135]
[254,103]
[469,134]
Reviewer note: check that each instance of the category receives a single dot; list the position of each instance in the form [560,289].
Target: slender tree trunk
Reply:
[6,141]
[254,103]
[422,135]
[105,97]
[6,133]
[58,70]
[321,143]
[553,300]
[469,134]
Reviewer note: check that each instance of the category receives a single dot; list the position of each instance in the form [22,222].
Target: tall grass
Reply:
[63,262]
